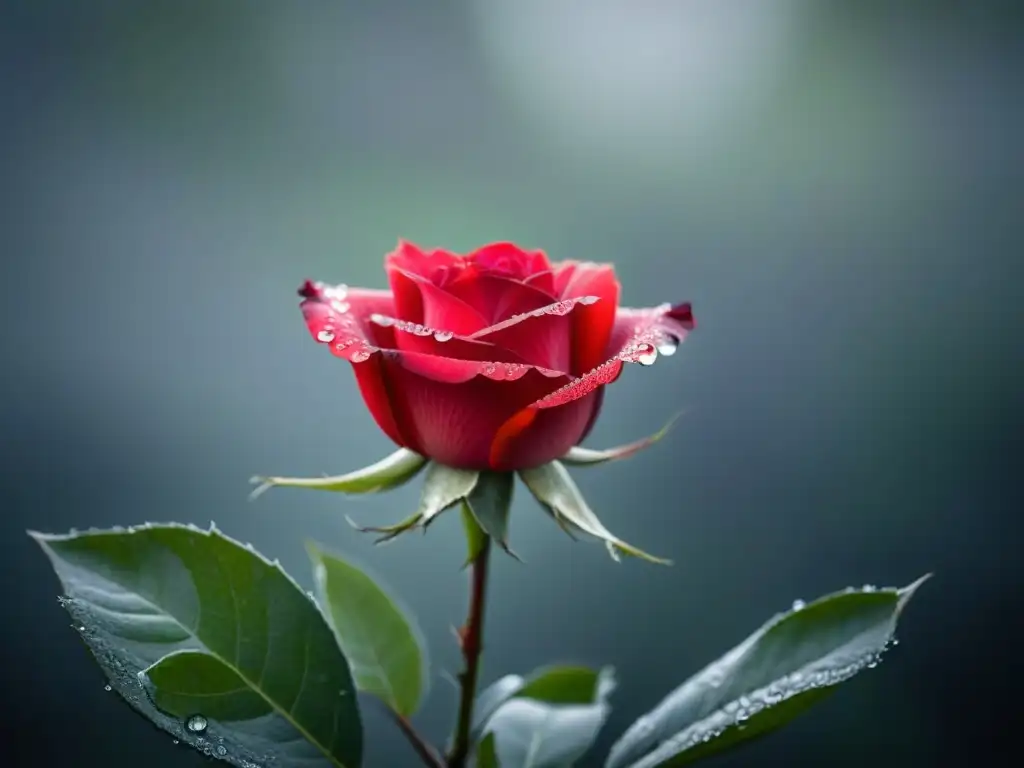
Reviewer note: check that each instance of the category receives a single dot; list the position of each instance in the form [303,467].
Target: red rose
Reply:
[494,360]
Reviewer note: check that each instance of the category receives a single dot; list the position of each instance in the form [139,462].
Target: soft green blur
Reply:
[835,186]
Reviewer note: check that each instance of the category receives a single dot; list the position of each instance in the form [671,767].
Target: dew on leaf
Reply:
[197,723]
[798,604]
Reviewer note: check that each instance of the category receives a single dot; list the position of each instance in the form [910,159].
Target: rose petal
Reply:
[542,336]
[592,326]
[544,281]
[510,260]
[651,331]
[417,261]
[415,337]
[496,297]
[629,322]
[418,300]
[339,316]
[455,407]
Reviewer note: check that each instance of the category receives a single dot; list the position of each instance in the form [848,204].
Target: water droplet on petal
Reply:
[325,336]
[647,355]
[197,724]
[360,357]
[588,299]
[667,346]
[443,335]
[382,320]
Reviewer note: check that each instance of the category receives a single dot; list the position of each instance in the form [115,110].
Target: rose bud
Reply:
[484,365]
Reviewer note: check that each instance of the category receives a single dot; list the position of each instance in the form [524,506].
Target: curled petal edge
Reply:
[585,457]
[653,332]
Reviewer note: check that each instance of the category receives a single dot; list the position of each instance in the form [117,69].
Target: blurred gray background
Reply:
[835,185]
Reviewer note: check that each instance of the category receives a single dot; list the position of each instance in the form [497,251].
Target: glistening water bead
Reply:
[197,724]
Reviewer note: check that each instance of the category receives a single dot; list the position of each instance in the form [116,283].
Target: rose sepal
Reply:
[390,472]
[485,495]
[586,457]
[552,486]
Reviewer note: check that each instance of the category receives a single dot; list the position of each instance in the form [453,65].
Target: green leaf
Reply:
[475,536]
[383,649]
[390,472]
[552,486]
[487,754]
[211,642]
[530,734]
[568,685]
[549,685]
[490,502]
[443,488]
[775,674]
[492,697]
[582,457]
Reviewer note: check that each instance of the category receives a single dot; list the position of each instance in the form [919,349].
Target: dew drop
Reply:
[798,604]
[175,742]
[325,336]
[341,307]
[107,688]
[360,357]
[869,588]
[443,335]
[222,750]
[197,724]
[489,369]
[648,354]
[587,300]
[382,320]
[667,346]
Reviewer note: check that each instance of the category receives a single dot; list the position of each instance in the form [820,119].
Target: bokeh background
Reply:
[837,186]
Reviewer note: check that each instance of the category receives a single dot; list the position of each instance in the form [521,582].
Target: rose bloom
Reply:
[496,360]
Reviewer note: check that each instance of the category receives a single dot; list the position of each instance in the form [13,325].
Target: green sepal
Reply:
[443,488]
[584,457]
[490,502]
[552,486]
[388,473]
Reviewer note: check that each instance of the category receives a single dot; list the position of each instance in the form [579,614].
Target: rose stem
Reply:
[425,752]
[471,640]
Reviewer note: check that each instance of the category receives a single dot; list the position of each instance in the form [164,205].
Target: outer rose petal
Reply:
[651,331]
[454,411]
[542,336]
[336,315]
[592,325]
[446,408]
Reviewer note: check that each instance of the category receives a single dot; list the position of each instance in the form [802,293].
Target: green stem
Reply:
[471,640]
